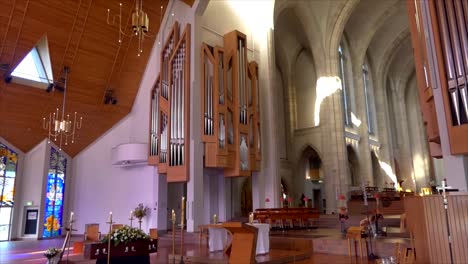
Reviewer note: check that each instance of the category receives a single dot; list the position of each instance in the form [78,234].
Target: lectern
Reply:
[244,242]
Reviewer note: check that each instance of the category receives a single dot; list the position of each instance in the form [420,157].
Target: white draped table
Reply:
[218,238]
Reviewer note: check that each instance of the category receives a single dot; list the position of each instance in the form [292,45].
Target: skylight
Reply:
[35,69]
[31,68]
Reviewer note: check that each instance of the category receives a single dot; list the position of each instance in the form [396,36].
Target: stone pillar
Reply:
[269,177]
[159,214]
[195,190]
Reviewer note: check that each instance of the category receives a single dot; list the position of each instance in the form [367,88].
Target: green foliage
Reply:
[51,252]
[125,235]
[140,211]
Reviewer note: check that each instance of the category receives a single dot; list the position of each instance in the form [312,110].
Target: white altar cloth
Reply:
[218,238]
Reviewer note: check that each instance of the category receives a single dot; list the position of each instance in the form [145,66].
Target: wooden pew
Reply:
[286,216]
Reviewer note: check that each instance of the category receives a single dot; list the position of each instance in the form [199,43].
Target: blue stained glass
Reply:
[55,191]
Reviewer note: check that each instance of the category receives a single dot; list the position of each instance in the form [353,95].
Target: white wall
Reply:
[32,187]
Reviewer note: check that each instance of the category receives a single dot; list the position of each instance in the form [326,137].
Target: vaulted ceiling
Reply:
[79,37]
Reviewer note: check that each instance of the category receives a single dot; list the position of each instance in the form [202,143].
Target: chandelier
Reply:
[60,127]
[140,24]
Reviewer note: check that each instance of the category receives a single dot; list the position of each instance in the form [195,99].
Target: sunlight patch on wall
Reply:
[326,86]
[389,171]
[356,121]
[257,14]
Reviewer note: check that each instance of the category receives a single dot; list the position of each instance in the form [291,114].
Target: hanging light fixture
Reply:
[140,24]
[60,126]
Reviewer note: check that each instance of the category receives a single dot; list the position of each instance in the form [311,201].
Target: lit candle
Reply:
[215,219]
[182,213]
[71,216]
[173,216]
[110,217]
[131,214]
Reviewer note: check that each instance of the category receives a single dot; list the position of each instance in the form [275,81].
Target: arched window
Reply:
[345,85]
[369,95]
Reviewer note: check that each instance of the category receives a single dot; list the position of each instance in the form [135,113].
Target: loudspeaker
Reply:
[8,78]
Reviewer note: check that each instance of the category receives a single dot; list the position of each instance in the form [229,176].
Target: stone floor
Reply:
[328,247]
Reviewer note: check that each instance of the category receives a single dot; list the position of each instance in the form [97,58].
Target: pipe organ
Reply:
[439,34]
[230,107]
[170,106]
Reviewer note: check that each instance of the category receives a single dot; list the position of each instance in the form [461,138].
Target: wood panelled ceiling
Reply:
[79,37]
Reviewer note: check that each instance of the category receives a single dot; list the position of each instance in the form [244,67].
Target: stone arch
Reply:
[377,175]
[353,166]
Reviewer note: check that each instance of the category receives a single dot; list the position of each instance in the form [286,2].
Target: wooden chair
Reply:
[354,234]
[91,234]
[153,233]
[116,226]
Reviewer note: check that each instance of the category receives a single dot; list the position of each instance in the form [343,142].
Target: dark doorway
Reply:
[30,227]
[317,198]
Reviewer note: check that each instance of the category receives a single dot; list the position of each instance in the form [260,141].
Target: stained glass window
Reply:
[55,190]
[8,167]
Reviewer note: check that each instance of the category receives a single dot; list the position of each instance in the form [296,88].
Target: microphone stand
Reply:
[371,255]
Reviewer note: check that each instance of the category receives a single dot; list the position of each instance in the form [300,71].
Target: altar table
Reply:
[218,238]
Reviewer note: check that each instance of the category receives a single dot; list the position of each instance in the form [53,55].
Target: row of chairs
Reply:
[287,218]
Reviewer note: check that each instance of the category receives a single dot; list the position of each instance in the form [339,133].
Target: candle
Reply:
[131,214]
[182,211]
[110,217]
[215,219]
[71,216]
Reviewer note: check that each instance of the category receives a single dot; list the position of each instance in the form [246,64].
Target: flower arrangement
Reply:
[125,235]
[51,252]
[140,211]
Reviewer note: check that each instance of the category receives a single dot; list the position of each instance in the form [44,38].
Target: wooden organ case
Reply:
[230,107]
[446,58]
[170,109]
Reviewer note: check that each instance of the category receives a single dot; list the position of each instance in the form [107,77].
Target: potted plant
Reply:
[52,255]
[140,212]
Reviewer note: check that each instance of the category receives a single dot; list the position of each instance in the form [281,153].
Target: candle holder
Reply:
[131,220]
[109,238]
[173,232]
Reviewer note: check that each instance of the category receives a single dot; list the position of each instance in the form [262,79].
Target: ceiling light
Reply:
[60,126]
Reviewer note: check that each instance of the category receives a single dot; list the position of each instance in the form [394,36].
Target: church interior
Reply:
[232,131]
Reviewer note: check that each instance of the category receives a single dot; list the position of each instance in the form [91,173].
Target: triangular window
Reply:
[35,69]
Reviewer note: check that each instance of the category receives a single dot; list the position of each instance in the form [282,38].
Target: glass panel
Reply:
[8,191]
[222,131]
[244,153]
[55,191]
[4,232]
[221,78]
[5,213]
[230,128]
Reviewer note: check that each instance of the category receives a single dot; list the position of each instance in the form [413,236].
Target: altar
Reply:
[218,238]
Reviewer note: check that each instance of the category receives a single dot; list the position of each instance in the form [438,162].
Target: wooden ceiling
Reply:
[78,37]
